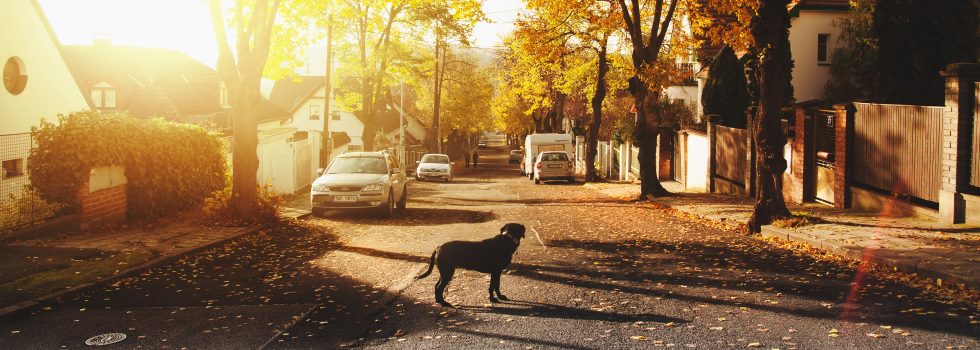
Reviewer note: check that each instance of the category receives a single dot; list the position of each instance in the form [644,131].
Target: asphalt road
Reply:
[593,273]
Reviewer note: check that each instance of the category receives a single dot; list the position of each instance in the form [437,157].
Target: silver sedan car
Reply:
[371,180]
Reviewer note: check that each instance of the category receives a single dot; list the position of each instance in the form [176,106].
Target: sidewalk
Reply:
[44,267]
[924,247]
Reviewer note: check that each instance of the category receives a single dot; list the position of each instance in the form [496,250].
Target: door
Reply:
[824,147]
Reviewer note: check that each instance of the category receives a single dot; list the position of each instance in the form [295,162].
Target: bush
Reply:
[218,210]
[726,92]
[169,166]
[25,209]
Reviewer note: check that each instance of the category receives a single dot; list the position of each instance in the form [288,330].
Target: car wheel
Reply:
[387,207]
[403,202]
[571,180]
[537,181]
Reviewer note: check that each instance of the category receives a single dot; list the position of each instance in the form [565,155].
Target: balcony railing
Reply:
[685,74]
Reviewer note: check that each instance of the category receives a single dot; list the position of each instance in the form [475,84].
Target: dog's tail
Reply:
[432,262]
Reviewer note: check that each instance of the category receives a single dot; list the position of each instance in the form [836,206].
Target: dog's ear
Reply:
[504,228]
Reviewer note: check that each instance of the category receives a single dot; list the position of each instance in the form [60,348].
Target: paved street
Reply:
[595,272]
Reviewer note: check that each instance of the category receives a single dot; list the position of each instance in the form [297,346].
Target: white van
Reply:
[537,143]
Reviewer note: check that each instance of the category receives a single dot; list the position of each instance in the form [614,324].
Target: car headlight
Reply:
[372,187]
[321,188]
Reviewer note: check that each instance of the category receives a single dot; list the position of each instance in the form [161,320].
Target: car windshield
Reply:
[553,156]
[515,152]
[434,159]
[358,165]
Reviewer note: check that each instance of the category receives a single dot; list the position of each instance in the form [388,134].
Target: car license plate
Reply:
[554,165]
[345,198]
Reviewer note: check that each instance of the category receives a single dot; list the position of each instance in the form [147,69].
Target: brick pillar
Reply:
[843,139]
[103,206]
[957,139]
[713,120]
[793,188]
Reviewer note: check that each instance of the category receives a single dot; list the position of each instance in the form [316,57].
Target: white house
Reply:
[36,84]
[813,38]
[303,100]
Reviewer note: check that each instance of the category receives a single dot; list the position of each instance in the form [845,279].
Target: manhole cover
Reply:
[105,339]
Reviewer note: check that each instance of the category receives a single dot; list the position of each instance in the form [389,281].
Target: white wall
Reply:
[276,161]
[809,77]
[348,122]
[50,89]
[697,153]
[690,94]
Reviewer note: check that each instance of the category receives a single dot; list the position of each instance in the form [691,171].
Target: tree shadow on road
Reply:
[771,273]
[413,217]
[535,309]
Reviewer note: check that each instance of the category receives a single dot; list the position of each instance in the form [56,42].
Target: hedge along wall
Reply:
[169,166]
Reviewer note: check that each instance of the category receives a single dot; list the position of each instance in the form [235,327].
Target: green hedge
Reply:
[169,166]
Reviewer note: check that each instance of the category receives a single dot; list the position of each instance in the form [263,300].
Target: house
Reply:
[147,82]
[303,100]
[812,36]
[36,84]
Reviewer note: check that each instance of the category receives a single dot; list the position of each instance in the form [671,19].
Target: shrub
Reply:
[218,210]
[169,166]
[25,208]
[726,92]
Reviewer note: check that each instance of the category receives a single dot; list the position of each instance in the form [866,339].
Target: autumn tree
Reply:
[374,29]
[653,41]
[241,70]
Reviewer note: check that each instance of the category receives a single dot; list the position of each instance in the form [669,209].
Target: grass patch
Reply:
[797,219]
[73,273]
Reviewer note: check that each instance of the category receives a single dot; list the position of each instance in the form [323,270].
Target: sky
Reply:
[185,25]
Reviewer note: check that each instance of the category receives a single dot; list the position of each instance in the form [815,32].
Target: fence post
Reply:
[713,120]
[843,146]
[957,140]
[750,153]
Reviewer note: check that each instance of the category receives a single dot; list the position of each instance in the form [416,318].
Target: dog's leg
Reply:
[445,275]
[494,279]
[495,287]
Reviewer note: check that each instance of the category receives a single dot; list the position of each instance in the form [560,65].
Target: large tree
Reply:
[241,71]
[650,68]
[770,34]
[374,29]
[586,27]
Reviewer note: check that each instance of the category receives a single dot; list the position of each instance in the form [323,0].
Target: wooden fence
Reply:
[898,149]
[975,174]
[730,151]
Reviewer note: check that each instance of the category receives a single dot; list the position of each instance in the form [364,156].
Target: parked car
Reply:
[482,143]
[534,144]
[553,165]
[434,166]
[371,180]
[515,157]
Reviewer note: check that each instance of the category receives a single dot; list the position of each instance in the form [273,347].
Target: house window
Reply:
[335,115]
[223,96]
[314,112]
[14,75]
[822,40]
[103,96]
[13,167]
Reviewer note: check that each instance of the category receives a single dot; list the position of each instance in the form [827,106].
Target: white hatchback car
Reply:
[553,165]
[434,166]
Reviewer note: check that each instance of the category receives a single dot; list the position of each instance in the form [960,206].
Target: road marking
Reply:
[538,237]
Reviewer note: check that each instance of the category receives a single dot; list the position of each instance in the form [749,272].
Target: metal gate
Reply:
[302,160]
[824,146]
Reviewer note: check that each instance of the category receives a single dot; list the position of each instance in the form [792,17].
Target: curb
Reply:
[23,306]
[856,252]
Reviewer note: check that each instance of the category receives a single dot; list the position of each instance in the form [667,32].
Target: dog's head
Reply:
[514,230]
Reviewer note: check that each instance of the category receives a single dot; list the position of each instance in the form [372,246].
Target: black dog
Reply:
[491,256]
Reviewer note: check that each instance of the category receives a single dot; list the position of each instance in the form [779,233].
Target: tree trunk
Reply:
[592,146]
[245,161]
[770,31]
[436,100]
[645,136]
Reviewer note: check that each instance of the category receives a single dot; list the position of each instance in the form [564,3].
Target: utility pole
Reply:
[327,144]
[401,123]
